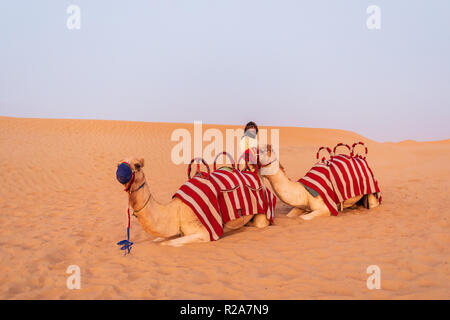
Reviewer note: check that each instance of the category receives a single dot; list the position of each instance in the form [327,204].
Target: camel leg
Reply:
[192,238]
[295,212]
[158,239]
[373,201]
[316,213]
[260,221]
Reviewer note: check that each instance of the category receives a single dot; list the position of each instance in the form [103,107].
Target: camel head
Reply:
[129,172]
[268,160]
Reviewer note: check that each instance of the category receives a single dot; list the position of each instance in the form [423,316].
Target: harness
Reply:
[244,156]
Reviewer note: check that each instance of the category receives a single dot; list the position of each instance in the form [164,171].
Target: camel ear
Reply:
[141,161]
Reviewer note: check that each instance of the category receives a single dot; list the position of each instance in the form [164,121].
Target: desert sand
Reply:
[61,205]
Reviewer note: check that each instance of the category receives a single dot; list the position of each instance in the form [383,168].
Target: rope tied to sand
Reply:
[126,244]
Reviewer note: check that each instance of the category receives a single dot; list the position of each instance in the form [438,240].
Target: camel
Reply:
[165,221]
[294,193]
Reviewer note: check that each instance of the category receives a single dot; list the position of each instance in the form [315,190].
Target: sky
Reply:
[276,62]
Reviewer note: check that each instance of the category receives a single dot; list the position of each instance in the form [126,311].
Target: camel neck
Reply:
[156,219]
[290,192]
[139,197]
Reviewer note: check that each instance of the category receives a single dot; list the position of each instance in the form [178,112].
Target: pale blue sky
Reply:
[277,62]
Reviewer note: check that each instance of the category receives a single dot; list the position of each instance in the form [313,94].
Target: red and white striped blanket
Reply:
[226,196]
[341,178]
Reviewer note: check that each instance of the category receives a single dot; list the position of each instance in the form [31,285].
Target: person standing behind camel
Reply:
[249,142]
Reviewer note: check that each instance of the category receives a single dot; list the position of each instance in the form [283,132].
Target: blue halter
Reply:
[124,173]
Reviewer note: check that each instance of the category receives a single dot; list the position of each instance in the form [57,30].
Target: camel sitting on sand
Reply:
[174,218]
[294,193]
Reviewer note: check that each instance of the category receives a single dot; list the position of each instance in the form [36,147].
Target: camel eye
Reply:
[137,165]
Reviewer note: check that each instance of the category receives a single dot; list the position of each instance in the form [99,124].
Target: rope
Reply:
[343,145]
[126,244]
[323,158]
[353,154]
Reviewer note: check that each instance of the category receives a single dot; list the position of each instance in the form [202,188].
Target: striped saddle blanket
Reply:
[341,178]
[225,196]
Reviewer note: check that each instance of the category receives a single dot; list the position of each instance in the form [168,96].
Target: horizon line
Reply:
[227,124]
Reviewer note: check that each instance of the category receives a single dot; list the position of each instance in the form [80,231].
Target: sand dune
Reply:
[61,205]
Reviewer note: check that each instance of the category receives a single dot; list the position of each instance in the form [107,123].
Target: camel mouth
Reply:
[124,173]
